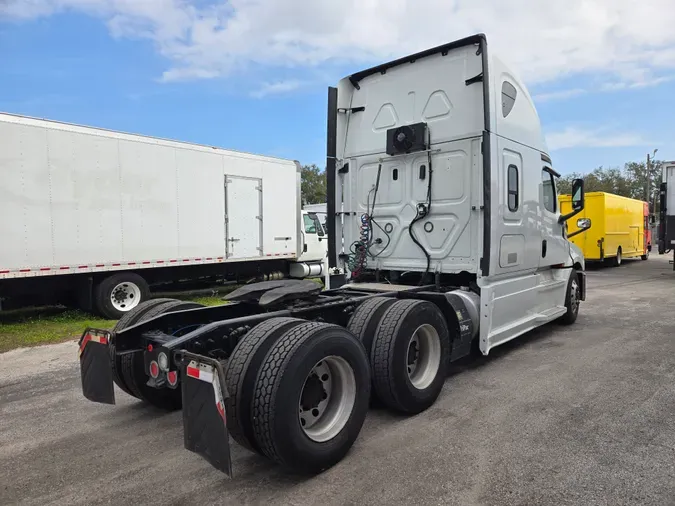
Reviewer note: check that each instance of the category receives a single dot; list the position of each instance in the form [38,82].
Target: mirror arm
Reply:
[577,233]
[564,217]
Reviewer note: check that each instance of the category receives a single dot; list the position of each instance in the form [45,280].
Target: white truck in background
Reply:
[93,217]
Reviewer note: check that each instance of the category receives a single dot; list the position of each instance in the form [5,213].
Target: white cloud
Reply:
[575,137]
[277,87]
[559,95]
[630,41]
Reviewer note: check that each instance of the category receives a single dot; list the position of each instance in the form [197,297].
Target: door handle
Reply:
[543,248]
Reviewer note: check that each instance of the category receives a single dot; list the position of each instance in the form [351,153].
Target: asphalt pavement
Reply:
[563,415]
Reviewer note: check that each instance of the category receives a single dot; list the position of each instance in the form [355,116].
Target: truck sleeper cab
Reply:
[448,235]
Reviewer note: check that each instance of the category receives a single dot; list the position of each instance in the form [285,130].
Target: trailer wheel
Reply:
[242,369]
[118,294]
[572,300]
[410,354]
[311,397]
[365,319]
[645,256]
[133,368]
[131,318]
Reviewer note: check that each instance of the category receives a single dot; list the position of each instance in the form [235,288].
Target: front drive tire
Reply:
[572,300]
[120,293]
[410,355]
[311,397]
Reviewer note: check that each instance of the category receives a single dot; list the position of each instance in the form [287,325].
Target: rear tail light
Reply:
[154,369]
[172,377]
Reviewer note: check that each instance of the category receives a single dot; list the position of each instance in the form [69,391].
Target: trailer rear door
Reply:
[243,217]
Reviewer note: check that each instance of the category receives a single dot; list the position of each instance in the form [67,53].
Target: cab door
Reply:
[554,246]
[315,245]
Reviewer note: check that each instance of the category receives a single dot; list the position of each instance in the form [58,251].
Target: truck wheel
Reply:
[131,318]
[241,373]
[119,294]
[572,300]
[410,355]
[365,319]
[133,367]
[616,261]
[645,256]
[311,397]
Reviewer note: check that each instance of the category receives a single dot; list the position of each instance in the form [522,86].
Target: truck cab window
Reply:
[318,226]
[310,226]
[549,192]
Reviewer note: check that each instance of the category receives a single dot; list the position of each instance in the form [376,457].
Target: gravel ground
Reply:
[564,415]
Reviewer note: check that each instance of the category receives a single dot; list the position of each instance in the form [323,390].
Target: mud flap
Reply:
[95,366]
[204,422]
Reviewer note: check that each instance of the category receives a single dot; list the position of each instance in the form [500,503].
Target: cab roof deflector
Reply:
[445,48]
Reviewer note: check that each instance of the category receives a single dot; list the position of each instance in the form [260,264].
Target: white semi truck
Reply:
[453,239]
[94,217]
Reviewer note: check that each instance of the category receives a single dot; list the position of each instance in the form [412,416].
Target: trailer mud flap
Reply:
[204,421]
[95,366]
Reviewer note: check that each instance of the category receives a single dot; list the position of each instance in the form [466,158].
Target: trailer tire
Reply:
[572,300]
[410,327]
[132,290]
[311,397]
[365,319]
[240,377]
[131,318]
[133,367]
[645,256]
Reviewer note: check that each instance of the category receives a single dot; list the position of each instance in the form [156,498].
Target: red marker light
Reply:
[149,347]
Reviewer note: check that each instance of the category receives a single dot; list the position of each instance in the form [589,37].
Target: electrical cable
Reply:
[421,215]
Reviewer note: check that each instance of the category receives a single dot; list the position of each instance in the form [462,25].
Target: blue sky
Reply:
[252,74]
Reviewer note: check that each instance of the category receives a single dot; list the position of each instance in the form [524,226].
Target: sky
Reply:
[252,75]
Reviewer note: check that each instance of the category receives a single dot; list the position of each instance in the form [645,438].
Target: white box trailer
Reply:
[102,214]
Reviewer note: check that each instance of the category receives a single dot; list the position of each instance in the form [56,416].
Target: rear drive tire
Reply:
[311,397]
[242,370]
[365,319]
[120,293]
[129,319]
[616,261]
[410,355]
[646,256]
[572,300]
[133,366]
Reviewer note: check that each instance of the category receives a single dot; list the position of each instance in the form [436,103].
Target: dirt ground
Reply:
[564,415]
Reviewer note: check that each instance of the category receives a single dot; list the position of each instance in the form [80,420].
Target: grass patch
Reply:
[33,329]
[55,324]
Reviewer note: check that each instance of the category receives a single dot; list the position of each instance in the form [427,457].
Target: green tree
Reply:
[313,185]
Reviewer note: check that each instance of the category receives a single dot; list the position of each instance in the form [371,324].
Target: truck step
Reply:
[551,314]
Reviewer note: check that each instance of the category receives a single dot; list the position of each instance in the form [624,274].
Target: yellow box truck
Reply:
[619,227]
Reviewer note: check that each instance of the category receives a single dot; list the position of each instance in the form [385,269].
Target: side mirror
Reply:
[578,194]
[578,201]
[584,223]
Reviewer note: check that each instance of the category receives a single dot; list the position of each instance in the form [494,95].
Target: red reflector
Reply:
[154,369]
[149,347]
[221,409]
[193,372]
[172,376]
